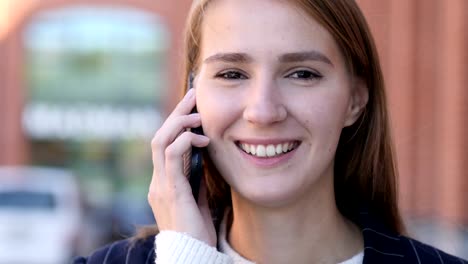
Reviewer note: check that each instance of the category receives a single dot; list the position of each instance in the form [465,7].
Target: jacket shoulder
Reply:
[423,253]
[122,251]
[382,245]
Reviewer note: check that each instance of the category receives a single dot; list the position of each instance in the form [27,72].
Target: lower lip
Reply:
[269,162]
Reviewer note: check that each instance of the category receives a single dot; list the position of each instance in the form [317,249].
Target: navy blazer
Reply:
[381,246]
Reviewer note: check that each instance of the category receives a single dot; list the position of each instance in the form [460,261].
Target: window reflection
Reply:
[96,77]
[25,200]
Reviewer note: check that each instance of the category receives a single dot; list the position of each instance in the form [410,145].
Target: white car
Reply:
[40,215]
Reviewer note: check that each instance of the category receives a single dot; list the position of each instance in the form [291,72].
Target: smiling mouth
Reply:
[269,150]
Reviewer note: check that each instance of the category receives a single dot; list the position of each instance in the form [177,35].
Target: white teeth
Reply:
[279,149]
[261,151]
[268,150]
[285,147]
[253,150]
[244,147]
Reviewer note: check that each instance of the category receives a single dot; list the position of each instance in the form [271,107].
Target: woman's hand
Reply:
[170,194]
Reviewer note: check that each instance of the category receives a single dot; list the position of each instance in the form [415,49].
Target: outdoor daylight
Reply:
[301,120]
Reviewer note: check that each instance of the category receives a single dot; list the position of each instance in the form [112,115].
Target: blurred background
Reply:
[84,85]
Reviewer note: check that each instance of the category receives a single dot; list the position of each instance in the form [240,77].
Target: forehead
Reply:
[262,26]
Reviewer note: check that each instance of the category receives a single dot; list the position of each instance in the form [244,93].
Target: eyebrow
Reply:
[286,58]
[229,57]
[305,56]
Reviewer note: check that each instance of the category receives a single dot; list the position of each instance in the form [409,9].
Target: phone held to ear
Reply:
[196,166]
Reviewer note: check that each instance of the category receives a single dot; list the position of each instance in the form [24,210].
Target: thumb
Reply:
[205,212]
[203,204]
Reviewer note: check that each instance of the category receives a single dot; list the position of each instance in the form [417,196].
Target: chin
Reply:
[268,195]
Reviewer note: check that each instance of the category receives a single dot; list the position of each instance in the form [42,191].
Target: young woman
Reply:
[298,164]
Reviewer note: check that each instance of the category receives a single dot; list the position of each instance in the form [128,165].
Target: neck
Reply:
[309,231]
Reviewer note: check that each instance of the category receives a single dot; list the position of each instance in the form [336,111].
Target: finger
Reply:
[173,175]
[185,105]
[167,134]
[174,153]
[177,152]
[176,122]
[172,128]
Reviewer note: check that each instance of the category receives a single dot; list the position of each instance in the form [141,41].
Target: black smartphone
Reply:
[196,158]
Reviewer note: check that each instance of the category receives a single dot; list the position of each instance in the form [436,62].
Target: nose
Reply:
[264,104]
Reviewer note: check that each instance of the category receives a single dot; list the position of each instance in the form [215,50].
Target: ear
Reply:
[358,102]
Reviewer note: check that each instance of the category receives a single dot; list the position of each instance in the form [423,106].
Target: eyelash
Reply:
[310,75]
[228,75]
[237,75]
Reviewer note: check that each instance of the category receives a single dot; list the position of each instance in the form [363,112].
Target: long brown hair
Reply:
[364,170]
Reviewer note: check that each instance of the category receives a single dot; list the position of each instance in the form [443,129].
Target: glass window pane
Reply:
[95,79]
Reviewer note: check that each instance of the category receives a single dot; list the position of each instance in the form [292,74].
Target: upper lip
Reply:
[270,141]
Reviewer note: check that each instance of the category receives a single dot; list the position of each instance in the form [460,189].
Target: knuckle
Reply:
[160,198]
[155,196]
[151,196]
[186,136]
[184,121]
[180,104]
[189,118]
[156,142]
[171,152]
[183,118]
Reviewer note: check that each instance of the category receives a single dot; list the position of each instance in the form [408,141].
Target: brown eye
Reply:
[231,75]
[305,75]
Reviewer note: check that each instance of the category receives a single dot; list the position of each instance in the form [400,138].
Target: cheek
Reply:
[324,111]
[218,111]
[323,117]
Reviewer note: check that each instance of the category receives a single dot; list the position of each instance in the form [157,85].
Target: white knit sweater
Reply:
[178,248]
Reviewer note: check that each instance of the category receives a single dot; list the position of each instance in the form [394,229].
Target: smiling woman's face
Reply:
[274,93]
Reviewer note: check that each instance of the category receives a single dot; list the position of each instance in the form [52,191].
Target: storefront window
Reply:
[95,80]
